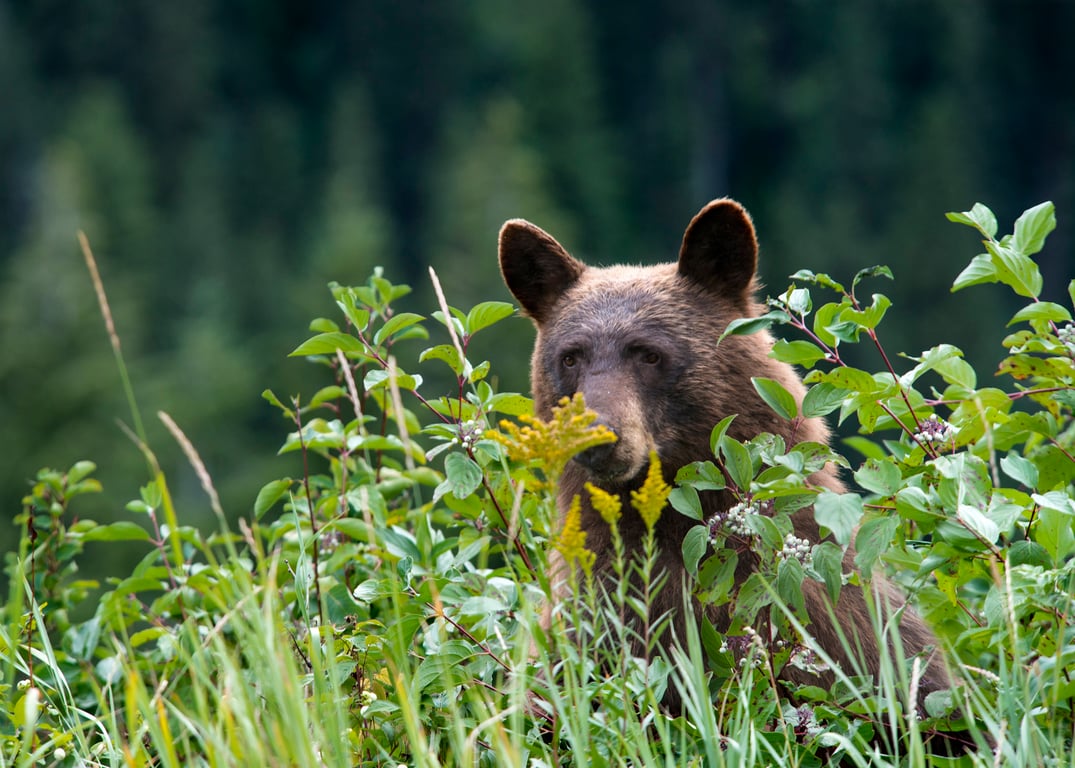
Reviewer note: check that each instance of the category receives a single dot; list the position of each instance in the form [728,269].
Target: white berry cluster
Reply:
[794,547]
[735,519]
[747,648]
[365,700]
[470,431]
[805,659]
[1066,334]
[935,430]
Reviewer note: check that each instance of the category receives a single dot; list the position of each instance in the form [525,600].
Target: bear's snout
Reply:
[600,460]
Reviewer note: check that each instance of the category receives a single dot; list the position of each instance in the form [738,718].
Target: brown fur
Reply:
[641,344]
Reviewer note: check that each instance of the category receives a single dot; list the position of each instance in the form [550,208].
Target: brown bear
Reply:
[641,345]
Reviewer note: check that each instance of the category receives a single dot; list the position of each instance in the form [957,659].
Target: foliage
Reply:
[383,606]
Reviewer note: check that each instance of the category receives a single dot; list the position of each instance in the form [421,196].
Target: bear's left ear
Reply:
[720,251]
[536,268]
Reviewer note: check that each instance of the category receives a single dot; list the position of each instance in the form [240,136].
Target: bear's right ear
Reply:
[536,268]
[720,250]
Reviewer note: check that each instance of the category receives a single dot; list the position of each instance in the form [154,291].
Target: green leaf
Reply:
[480,372]
[980,270]
[340,605]
[80,470]
[122,530]
[327,344]
[879,270]
[737,462]
[1053,532]
[804,353]
[839,512]
[1021,470]
[872,315]
[821,399]
[789,584]
[702,476]
[852,379]
[446,353]
[1016,270]
[777,398]
[485,314]
[482,605]
[979,217]
[827,562]
[1071,292]
[717,435]
[882,477]
[1041,310]
[695,544]
[824,317]
[510,403]
[377,379]
[745,326]
[685,500]
[81,640]
[948,361]
[274,400]
[798,301]
[269,494]
[1029,553]
[1033,226]
[439,672]
[323,325]
[984,529]
[767,530]
[463,474]
[396,324]
[819,278]
[873,539]
[327,394]
[1057,501]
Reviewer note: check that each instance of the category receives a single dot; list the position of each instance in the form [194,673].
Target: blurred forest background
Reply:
[228,159]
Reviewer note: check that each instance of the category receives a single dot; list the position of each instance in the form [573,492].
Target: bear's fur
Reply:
[640,343]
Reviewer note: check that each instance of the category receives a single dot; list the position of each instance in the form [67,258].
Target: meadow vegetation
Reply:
[383,604]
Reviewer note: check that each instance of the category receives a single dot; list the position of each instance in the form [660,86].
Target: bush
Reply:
[389,612]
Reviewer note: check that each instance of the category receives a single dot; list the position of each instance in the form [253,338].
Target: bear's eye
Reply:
[651,357]
[568,360]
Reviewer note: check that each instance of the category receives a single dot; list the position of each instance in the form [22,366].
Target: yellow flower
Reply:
[551,444]
[607,504]
[650,499]
[571,541]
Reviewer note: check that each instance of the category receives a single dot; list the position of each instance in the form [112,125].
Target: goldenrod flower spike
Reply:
[571,541]
[607,504]
[649,500]
[551,444]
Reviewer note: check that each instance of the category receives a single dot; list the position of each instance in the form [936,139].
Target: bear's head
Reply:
[641,343]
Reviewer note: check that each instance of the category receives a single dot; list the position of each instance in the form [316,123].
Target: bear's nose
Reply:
[598,459]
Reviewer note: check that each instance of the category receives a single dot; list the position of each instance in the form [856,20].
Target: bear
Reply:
[641,344]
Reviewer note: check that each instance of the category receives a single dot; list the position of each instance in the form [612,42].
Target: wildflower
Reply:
[607,504]
[935,430]
[571,541]
[551,444]
[650,499]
